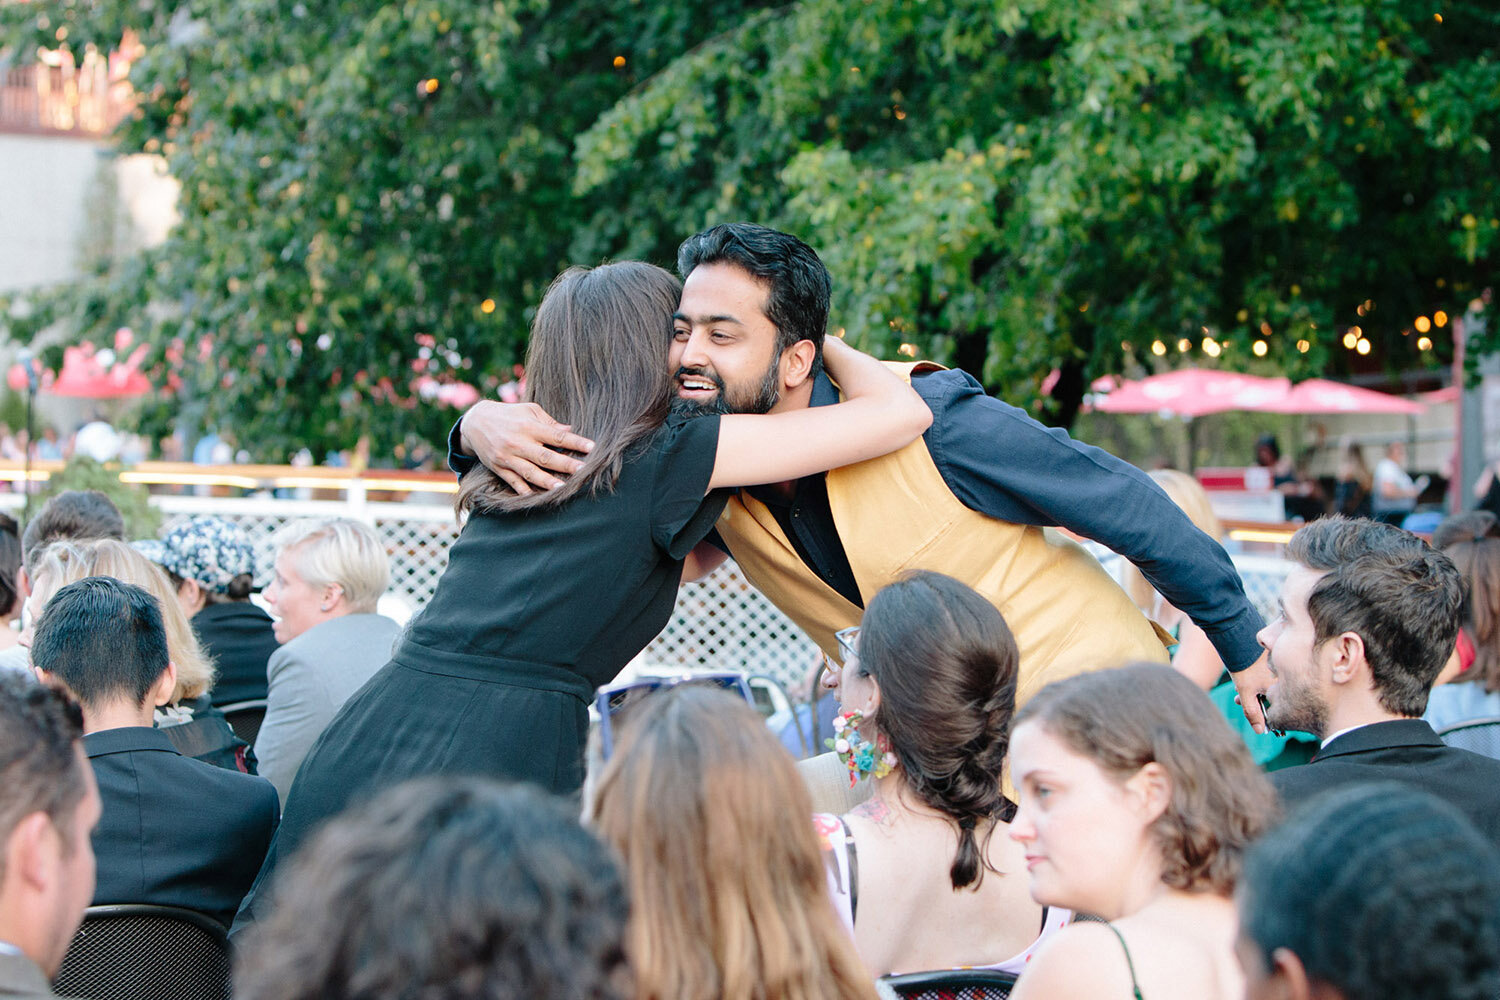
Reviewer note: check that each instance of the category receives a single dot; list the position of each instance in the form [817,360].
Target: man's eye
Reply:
[679,334]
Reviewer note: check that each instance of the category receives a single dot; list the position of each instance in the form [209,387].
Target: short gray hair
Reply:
[342,551]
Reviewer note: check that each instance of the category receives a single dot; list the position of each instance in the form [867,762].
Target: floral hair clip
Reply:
[862,757]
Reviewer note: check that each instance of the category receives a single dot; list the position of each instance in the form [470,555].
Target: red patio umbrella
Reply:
[1194,392]
[1318,395]
[93,375]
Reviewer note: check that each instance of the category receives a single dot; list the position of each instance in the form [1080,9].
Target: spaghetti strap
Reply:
[1135,986]
[853,854]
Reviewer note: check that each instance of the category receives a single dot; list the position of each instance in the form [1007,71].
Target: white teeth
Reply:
[695,384]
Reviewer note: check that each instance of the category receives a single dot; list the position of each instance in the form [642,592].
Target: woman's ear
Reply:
[332,595]
[872,703]
[1151,789]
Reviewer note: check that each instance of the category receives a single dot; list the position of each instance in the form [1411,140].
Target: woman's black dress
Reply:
[534,611]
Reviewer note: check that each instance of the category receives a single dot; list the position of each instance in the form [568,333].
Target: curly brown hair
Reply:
[445,889]
[1126,718]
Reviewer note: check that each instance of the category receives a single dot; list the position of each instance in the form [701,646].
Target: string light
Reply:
[1424,343]
[1363,347]
[1211,347]
[619,62]
[487,306]
[430,85]
[1350,339]
[910,350]
[1260,348]
[1303,346]
[1158,348]
[1439,318]
[1423,324]
[1265,328]
[1184,345]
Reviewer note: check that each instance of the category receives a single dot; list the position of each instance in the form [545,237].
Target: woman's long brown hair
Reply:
[728,892]
[597,362]
[1478,560]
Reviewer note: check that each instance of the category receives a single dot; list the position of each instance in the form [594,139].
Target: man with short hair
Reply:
[971,499]
[175,831]
[48,806]
[1369,615]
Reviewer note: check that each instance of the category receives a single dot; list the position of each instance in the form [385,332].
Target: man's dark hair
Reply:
[1403,598]
[799,284]
[447,889]
[76,515]
[1381,890]
[10,561]
[103,638]
[39,767]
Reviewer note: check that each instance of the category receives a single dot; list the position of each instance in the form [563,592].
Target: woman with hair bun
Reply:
[1137,806]
[926,691]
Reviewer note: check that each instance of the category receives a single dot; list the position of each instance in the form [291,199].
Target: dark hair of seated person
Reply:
[1372,890]
[103,638]
[444,889]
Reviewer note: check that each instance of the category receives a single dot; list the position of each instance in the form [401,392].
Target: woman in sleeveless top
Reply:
[1137,805]
[547,596]
[728,899]
[923,872]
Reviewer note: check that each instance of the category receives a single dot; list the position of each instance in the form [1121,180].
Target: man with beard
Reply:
[1369,615]
[972,499]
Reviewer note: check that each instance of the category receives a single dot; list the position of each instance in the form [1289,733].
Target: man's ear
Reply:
[797,363]
[166,685]
[24,579]
[1151,789]
[1347,658]
[26,856]
[1289,980]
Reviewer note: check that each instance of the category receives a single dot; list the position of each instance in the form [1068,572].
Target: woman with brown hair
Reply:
[929,681]
[547,596]
[1137,805]
[1469,686]
[729,899]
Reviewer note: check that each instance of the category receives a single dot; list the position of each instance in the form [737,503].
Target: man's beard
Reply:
[1298,706]
[767,394]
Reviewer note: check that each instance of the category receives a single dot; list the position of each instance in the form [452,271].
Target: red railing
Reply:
[56,96]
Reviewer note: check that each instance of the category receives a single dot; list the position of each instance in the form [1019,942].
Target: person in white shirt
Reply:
[1395,493]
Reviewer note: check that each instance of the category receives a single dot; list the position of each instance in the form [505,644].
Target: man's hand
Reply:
[521,443]
[1252,681]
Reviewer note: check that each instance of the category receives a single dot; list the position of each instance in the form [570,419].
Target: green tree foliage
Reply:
[142,520]
[1014,187]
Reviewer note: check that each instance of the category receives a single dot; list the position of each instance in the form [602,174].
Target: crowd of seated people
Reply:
[1110,835]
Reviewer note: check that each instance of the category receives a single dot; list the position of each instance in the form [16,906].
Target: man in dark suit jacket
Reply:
[175,831]
[1369,615]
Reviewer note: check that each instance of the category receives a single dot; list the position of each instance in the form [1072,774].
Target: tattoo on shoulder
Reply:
[876,811]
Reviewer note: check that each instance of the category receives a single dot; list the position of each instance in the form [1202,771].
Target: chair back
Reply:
[1481,736]
[952,984]
[245,717]
[138,952]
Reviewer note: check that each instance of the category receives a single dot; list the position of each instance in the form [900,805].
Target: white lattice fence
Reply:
[720,623]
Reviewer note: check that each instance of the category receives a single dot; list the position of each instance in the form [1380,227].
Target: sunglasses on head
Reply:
[612,698]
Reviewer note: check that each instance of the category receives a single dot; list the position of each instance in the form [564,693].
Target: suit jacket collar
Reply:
[1381,735]
[126,740]
[20,977]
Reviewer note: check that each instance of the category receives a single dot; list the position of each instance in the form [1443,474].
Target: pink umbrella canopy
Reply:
[1318,395]
[96,375]
[1194,392]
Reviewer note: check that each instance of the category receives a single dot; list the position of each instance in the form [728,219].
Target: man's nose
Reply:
[694,352]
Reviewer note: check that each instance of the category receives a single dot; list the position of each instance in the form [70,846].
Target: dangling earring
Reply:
[863,758]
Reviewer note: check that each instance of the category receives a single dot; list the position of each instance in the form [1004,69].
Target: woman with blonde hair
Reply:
[195,727]
[729,897]
[1194,655]
[1137,805]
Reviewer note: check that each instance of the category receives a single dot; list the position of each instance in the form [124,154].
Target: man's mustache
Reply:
[702,373]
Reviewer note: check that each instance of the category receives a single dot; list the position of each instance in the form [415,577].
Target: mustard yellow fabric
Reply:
[895,514]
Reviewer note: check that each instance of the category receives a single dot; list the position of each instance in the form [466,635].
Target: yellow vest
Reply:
[895,514]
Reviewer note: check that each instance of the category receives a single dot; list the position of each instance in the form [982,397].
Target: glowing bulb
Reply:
[487,306]
[1260,348]
[619,62]
[1303,346]
[1211,347]
[1439,318]
[1158,348]
[1363,346]
[1424,343]
[1350,339]
[431,85]
[1265,328]
[1184,345]
[910,350]
[1423,324]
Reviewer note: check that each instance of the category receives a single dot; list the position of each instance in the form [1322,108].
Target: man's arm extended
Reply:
[519,441]
[1001,462]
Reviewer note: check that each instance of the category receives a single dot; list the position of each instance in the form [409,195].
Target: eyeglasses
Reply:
[612,698]
[846,638]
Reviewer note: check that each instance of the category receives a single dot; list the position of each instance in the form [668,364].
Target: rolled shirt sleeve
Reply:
[1000,462]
